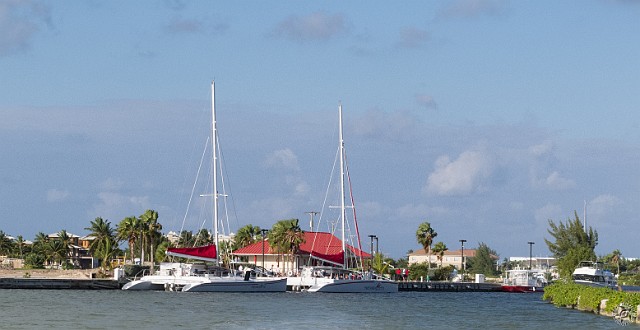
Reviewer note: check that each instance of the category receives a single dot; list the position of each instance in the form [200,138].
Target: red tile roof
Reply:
[318,244]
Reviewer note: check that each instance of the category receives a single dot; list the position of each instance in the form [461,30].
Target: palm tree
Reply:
[440,248]
[150,230]
[203,237]
[20,244]
[425,235]
[379,265]
[66,239]
[6,245]
[246,235]
[186,239]
[285,237]
[56,251]
[105,242]
[127,230]
[615,259]
[39,246]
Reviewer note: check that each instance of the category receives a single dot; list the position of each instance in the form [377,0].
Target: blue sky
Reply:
[484,117]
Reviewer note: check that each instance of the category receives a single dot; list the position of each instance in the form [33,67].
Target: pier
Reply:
[449,286]
[59,284]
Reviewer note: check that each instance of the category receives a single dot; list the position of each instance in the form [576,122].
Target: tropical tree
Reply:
[127,230]
[246,235]
[6,245]
[285,237]
[105,242]
[20,246]
[186,239]
[66,239]
[203,237]
[439,249]
[425,235]
[379,264]
[39,249]
[150,229]
[614,259]
[57,251]
[483,261]
[572,244]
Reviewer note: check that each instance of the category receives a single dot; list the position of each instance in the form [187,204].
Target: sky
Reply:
[486,118]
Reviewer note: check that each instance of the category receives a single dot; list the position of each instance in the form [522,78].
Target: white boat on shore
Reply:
[190,277]
[593,274]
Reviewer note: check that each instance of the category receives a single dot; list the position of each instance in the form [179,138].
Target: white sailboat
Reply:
[341,279]
[199,278]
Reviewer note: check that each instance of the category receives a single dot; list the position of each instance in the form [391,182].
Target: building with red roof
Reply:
[319,248]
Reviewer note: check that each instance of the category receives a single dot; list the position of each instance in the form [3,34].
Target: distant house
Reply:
[79,254]
[319,248]
[450,258]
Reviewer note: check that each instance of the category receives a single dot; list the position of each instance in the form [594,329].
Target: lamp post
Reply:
[376,244]
[264,232]
[462,254]
[311,214]
[371,237]
[530,252]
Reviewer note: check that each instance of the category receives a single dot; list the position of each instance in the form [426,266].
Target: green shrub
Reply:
[569,294]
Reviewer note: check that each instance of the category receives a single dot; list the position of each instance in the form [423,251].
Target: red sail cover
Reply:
[207,252]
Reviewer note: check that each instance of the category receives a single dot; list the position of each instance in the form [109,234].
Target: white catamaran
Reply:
[340,279]
[198,277]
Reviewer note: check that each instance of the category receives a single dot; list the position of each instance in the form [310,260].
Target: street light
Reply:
[264,232]
[376,244]
[462,254]
[371,237]
[530,252]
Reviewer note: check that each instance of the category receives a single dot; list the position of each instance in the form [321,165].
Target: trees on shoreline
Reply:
[61,249]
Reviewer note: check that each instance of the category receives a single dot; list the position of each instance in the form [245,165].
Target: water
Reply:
[65,309]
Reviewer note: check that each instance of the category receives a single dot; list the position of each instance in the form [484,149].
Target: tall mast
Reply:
[214,150]
[342,196]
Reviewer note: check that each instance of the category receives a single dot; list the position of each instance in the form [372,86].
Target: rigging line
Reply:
[353,206]
[224,190]
[190,161]
[193,188]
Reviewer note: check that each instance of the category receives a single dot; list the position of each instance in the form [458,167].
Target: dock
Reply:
[59,284]
[449,286]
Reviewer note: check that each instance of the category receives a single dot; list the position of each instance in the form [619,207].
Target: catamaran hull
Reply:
[161,283]
[232,285]
[356,286]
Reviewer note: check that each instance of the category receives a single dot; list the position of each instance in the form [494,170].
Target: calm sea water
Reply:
[69,309]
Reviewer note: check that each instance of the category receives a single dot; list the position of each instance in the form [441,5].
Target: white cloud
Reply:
[541,149]
[114,206]
[557,182]
[316,26]
[601,206]
[547,212]
[460,177]
[19,22]
[283,158]
[395,126]
[542,172]
[56,195]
